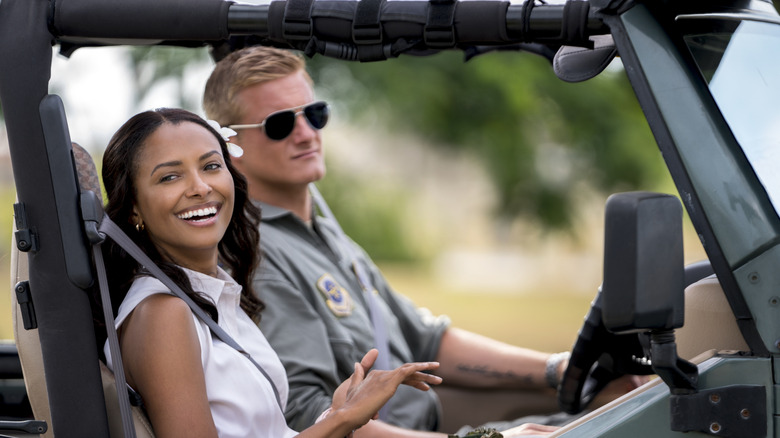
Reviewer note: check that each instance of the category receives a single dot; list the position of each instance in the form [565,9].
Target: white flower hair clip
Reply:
[233,149]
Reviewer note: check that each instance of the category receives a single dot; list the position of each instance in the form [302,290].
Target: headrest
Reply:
[86,170]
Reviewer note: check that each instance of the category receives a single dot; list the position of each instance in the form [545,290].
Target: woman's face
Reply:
[184,193]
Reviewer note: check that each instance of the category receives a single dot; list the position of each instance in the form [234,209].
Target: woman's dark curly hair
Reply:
[238,249]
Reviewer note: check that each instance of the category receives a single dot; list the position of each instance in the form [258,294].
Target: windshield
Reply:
[741,62]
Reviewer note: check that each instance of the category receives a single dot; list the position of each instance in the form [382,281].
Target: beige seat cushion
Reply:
[710,326]
[709,322]
[29,347]
[143,429]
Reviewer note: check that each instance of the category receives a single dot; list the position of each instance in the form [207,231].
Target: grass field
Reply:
[544,321]
[547,321]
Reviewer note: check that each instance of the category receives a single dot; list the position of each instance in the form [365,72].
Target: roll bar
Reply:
[366,30]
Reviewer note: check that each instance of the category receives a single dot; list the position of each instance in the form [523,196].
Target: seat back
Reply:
[710,323]
[29,346]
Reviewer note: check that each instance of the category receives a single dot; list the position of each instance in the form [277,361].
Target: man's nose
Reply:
[303,130]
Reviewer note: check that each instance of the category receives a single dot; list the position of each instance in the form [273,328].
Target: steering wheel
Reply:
[599,357]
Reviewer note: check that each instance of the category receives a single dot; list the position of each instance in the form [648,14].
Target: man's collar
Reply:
[271,212]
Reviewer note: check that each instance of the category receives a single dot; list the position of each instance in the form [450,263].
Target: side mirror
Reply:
[644,279]
[578,64]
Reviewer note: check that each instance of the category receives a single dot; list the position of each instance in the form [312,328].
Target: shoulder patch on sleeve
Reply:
[336,297]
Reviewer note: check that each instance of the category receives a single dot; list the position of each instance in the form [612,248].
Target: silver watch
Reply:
[551,368]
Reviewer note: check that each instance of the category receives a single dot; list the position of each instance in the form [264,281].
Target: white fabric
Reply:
[241,398]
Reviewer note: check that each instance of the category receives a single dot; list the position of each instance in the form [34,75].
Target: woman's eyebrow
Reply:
[166,164]
[208,154]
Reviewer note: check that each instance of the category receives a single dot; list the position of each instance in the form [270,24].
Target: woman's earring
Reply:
[139,226]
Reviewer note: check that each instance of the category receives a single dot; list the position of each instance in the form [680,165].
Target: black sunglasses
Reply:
[279,125]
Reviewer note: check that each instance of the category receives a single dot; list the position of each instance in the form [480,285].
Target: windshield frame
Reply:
[728,206]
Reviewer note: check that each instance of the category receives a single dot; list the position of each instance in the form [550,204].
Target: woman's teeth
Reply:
[200,213]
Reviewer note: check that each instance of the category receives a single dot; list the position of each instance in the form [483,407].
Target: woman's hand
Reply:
[362,395]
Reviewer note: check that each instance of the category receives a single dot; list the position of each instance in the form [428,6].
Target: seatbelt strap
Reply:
[109,228]
[369,291]
[113,345]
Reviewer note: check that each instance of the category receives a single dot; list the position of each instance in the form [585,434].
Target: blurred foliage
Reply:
[153,64]
[538,136]
[541,139]
[371,215]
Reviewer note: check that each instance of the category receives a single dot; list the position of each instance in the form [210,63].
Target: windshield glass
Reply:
[741,62]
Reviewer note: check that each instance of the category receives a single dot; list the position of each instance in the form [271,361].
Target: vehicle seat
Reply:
[709,322]
[28,343]
[29,347]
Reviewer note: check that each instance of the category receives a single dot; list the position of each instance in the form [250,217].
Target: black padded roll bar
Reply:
[365,30]
[142,19]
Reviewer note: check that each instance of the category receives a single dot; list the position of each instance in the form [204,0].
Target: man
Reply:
[318,317]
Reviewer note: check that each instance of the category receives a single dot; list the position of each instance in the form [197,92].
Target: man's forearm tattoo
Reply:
[486,371]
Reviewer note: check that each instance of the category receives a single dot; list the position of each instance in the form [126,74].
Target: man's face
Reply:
[275,166]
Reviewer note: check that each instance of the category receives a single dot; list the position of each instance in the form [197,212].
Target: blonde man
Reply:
[317,317]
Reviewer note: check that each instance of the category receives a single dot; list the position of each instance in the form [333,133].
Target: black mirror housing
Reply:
[643,263]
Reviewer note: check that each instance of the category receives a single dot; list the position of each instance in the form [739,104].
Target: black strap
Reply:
[113,345]
[439,30]
[110,229]
[525,27]
[297,24]
[575,23]
[366,25]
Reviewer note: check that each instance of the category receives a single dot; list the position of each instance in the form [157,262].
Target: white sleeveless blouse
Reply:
[242,400]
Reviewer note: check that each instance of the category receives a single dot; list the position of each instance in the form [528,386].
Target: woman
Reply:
[172,188]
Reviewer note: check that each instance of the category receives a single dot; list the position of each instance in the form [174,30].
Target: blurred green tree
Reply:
[152,65]
[540,138]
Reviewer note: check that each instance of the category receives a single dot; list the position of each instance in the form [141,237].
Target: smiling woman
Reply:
[184,195]
[172,187]
[148,146]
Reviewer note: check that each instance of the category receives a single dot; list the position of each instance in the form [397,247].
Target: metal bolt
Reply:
[774,301]
[753,277]
[745,413]
[715,427]
[22,244]
[714,398]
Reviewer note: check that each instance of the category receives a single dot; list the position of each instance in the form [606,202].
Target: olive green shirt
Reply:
[317,319]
